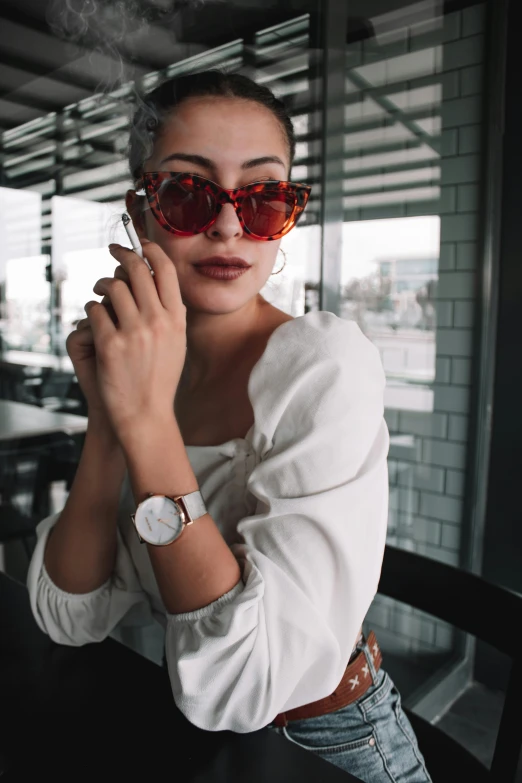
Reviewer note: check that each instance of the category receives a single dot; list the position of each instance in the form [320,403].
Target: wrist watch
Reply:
[160,519]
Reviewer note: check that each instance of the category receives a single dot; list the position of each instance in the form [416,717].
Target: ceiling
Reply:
[56,52]
[67,82]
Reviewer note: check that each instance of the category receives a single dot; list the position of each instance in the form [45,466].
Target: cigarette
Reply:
[133,237]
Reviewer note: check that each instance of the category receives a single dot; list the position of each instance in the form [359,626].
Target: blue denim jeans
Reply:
[372,738]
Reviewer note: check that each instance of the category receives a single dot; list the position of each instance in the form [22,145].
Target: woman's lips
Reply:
[234,261]
[221,271]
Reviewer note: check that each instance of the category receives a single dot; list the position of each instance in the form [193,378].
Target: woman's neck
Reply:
[217,343]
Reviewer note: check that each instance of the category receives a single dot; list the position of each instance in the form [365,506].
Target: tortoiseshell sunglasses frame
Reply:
[151,181]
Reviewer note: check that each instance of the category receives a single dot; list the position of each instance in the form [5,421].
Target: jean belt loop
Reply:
[369,661]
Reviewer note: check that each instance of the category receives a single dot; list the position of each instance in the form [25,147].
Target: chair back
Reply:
[480,608]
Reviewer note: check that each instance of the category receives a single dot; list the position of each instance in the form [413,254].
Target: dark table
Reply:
[103,713]
[19,420]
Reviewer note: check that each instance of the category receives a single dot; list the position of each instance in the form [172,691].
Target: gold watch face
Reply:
[159,520]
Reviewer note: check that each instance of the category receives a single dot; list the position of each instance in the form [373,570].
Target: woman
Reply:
[275,449]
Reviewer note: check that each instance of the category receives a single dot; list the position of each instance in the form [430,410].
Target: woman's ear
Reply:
[134,206]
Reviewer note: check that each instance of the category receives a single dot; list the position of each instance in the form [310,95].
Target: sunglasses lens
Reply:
[267,213]
[185,207]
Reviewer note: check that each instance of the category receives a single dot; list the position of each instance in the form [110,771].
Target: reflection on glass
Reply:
[27,305]
[388,286]
[82,231]
[81,269]
[293,289]
[20,269]
[411,184]
[281,58]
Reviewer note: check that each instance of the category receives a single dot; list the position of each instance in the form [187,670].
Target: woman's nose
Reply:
[227,225]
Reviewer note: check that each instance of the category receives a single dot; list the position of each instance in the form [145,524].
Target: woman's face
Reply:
[232,135]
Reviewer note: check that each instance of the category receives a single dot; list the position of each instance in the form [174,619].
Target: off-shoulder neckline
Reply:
[246,439]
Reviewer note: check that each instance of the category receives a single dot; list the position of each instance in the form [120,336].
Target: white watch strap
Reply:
[195,504]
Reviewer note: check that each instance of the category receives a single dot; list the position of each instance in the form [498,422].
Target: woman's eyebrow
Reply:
[199,160]
[250,164]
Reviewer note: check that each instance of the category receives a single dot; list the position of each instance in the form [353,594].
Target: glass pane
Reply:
[24,294]
[74,159]
[411,185]
[27,305]
[81,233]
[281,58]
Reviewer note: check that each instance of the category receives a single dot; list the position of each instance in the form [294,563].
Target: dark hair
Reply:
[149,118]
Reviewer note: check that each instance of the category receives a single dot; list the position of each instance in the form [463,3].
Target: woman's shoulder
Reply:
[317,370]
[309,353]
[318,334]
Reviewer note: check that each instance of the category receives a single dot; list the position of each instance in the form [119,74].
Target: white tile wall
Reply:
[465,51]
[469,139]
[467,198]
[458,427]
[455,482]
[426,497]
[447,257]
[460,168]
[467,253]
[455,285]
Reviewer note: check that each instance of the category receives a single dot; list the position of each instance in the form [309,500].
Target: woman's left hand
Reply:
[140,358]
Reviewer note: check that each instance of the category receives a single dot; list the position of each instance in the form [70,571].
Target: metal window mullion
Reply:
[58,175]
[333,47]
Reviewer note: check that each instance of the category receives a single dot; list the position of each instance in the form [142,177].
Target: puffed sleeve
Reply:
[76,619]
[311,554]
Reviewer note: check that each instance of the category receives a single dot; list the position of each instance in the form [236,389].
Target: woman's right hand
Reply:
[81,350]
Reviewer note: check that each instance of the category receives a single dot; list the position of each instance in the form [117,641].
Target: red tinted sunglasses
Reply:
[187,204]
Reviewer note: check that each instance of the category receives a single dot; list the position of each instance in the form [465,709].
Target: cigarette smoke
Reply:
[113,35]
[108,22]
[110,33]
[116,28]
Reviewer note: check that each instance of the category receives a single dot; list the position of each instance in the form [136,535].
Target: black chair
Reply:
[485,611]
[58,461]
[16,526]
[20,383]
[28,468]
[18,462]
[54,390]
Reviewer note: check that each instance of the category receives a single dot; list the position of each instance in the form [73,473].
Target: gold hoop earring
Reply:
[284,264]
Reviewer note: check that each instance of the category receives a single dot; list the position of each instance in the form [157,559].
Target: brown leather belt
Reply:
[356,680]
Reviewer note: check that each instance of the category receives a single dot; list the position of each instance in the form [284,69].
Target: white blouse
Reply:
[302,502]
